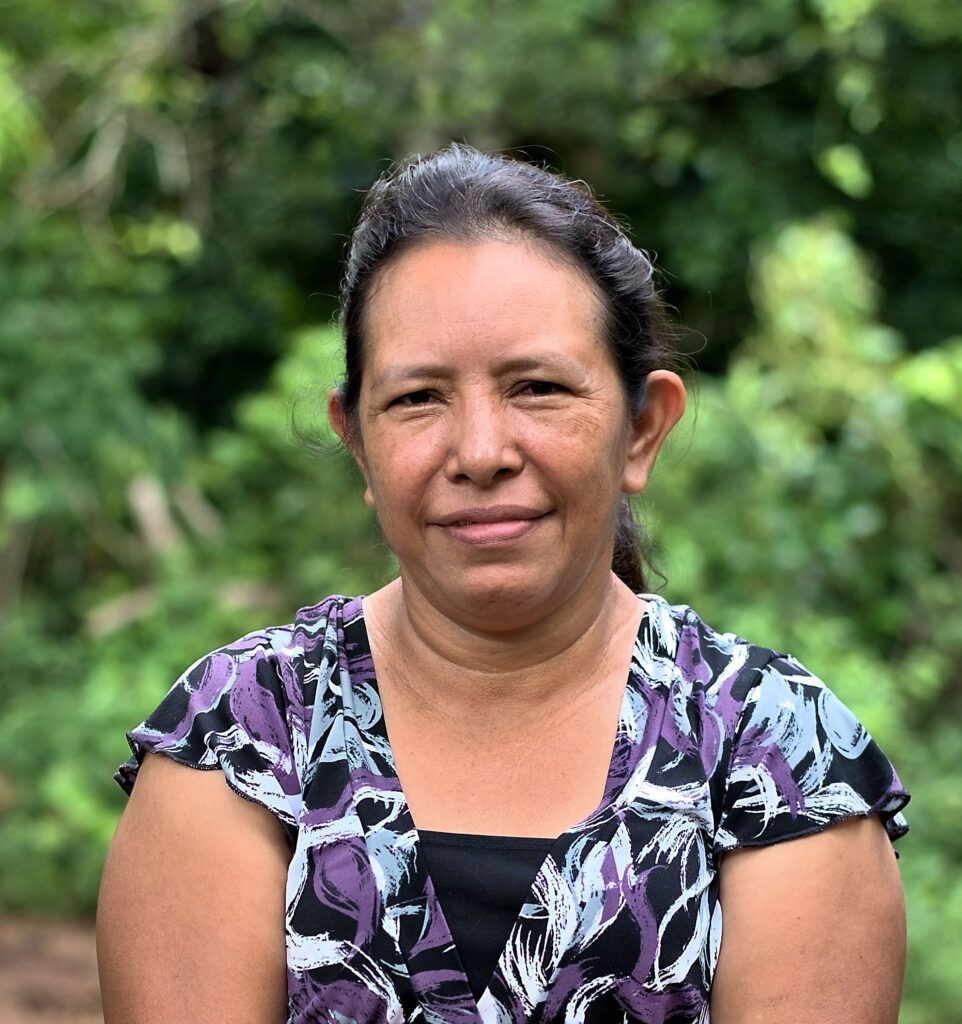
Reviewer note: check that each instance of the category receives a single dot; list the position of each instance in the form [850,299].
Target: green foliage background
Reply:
[176,181]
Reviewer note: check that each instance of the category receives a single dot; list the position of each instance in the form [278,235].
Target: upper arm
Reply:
[190,923]
[813,930]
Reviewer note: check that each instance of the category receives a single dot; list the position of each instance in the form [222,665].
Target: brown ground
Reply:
[48,974]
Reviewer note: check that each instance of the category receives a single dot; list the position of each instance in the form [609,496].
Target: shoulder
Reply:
[718,671]
[249,707]
[276,659]
[725,666]
[784,753]
[790,757]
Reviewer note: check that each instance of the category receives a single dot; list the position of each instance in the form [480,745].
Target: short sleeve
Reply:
[233,711]
[801,761]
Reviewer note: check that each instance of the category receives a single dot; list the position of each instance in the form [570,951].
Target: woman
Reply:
[593,780]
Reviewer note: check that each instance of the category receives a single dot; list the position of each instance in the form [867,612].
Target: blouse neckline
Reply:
[434,966]
[648,637]
[477,841]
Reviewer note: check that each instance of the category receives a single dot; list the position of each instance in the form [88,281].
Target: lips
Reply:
[491,526]
[489,514]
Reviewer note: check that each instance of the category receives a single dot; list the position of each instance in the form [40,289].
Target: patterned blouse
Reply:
[720,744]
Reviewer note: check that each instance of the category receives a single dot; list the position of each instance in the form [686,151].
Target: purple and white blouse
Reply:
[720,744]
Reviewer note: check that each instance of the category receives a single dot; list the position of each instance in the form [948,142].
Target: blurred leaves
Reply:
[845,168]
[176,185]
[819,503]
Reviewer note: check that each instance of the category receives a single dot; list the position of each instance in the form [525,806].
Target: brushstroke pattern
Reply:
[720,744]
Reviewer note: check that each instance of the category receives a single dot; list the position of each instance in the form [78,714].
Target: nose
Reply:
[483,445]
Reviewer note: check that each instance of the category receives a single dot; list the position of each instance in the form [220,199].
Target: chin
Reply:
[505,604]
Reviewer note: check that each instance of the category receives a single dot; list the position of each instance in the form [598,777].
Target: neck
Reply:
[531,666]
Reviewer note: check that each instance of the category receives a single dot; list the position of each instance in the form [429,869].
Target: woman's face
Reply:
[494,437]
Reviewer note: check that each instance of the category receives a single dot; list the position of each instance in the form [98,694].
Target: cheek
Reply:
[398,472]
[583,445]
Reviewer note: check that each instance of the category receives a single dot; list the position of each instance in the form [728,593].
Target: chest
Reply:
[622,919]
[537,776]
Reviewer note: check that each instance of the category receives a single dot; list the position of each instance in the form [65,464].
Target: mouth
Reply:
[491,514]
[493,526]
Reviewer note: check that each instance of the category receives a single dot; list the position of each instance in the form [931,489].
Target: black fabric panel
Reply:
[481,883]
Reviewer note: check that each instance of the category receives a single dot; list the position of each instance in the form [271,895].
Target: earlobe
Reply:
[664,406]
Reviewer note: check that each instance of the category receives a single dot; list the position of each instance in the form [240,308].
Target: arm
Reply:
[190,923]
[813,930]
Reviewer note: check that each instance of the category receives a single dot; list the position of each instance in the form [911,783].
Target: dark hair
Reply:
[462,194]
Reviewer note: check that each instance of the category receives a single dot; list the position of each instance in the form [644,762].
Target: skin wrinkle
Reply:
[425,373]
[424,309]
[529,688]
[500,673]
[524,629]
[534,244]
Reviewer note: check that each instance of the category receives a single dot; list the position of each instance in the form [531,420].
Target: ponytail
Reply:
[626,558]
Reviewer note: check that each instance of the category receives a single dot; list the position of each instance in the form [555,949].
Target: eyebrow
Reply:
[547,361]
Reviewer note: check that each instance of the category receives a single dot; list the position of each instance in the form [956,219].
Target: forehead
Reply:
[448,297]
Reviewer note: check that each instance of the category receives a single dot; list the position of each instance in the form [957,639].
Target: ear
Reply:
[346,430]
[663,408]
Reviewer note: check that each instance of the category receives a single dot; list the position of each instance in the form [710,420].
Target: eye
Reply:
[540,388]
[413,398]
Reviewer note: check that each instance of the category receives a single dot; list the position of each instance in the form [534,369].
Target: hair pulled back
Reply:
[458,193]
